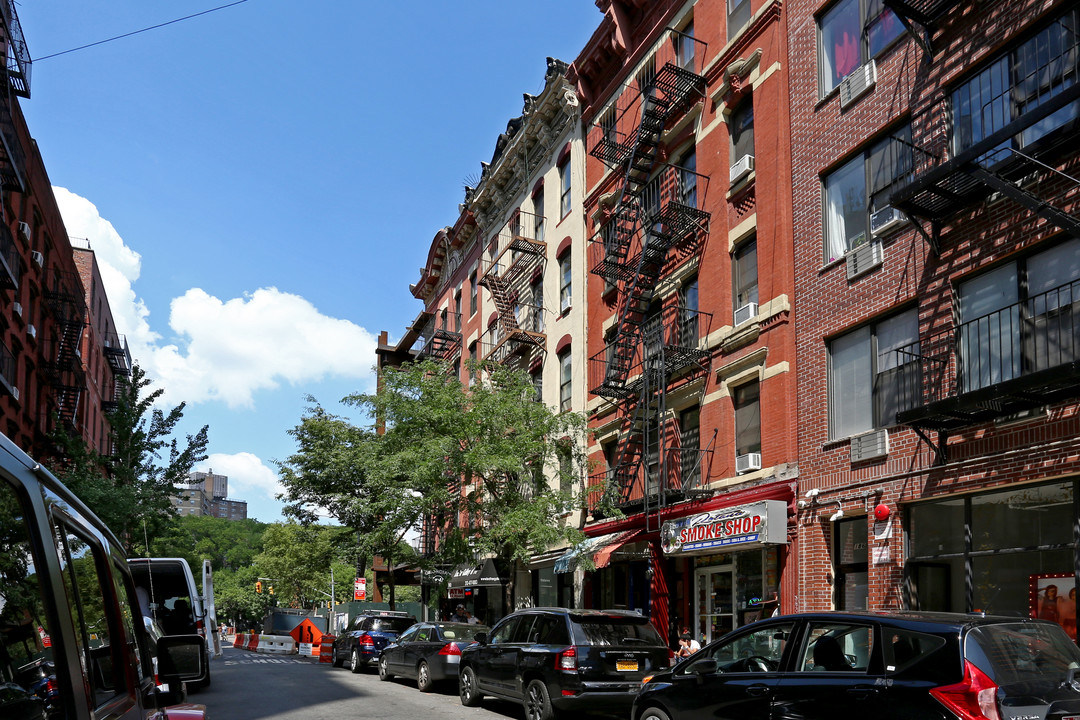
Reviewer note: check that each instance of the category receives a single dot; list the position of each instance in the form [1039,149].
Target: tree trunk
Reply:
[390,569]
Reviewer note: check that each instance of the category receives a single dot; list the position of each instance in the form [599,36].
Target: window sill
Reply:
[744,185]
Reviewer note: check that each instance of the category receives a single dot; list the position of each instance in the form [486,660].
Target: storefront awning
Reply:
[482,575]
[599,548]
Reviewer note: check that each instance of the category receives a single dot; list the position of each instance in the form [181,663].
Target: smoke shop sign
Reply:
[735,528]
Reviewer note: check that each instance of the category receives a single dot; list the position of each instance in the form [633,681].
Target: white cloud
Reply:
[232,348]
[249,477]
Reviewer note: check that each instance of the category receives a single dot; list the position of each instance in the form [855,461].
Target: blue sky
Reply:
[261,184]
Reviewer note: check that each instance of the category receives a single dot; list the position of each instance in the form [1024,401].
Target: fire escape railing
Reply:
[63,365]
[513,274]
[440,336]
[1020,357]
[115,349]
[10,264]
[18,54]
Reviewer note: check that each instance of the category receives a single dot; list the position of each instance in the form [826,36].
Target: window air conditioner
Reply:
[38,258]
[24,230]
[17,307]
[863,258]
[745,314]
[31,332]
[858,83]
[869,446]
[886,221]
[748,462]
[742,167]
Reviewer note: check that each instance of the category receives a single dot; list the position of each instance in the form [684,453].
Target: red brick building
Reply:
[937,266]
[51,369]
[690,325]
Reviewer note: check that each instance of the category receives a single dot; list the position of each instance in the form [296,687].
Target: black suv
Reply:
[554,659]
[886,666]
[367,635]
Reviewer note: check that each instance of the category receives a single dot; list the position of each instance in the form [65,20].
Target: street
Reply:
[253,686]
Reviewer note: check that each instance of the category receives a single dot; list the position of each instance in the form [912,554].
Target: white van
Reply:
[167,587]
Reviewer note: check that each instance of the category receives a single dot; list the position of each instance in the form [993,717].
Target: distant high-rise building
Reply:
[207,494]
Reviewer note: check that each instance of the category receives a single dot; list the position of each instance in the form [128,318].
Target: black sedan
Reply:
[886,666]
[428,651]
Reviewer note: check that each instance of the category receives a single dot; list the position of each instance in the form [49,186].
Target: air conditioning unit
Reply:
[863,258]
[17,307]
[31,332]
[748,462]
[886,221]
[745,314]
[24,230]
[858,83]
[38,258]
[742,167]
[869,446]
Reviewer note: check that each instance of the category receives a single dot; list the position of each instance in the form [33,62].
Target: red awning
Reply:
[602,556]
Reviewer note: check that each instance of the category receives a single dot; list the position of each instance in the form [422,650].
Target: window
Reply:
[646,78]
[493,333]
[690,442]
[836,647]
[457,309]
[538,383]
[1017,82]
[566,282]
[1021,317]
[473,290]
[690,317]
[685,44]
[742,131]
[852,32]
[744,273]
[566,469]
[537,324]
[747,418]
[687,179]
[538,216]
[566,381]
[473,357]
[850,558]
[873,375]
[862,186]
[738,14]
[564,185]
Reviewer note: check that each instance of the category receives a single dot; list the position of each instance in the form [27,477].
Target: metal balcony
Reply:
[440,336]
[10,264]
[116,351]
[517,338]
[626,485]
[1023,356]
[676,85]
[18,55]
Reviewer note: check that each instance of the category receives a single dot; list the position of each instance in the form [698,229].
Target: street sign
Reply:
[360,589]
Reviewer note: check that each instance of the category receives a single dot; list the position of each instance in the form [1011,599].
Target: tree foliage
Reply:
[130,490]
[227,544]
[297,559]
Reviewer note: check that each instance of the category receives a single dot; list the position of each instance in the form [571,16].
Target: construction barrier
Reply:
[253,642]
[326,649]
[276,644]
[238,641]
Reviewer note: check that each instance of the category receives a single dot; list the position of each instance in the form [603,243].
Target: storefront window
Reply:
[934,528]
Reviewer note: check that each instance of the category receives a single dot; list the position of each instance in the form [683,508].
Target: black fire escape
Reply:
[514,276]
[17,62]
[440,335]
[117,354]
[1008,133]
[655,218]
[63,365]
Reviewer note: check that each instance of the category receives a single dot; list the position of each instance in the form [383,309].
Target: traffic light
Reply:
[271,589]
[258,586]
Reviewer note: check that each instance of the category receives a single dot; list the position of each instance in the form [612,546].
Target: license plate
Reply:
[626,665]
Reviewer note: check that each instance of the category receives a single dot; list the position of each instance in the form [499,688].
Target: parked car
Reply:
[887,666]
[71,640]
[554,659]
[367,635]
[166,587]
[429,652]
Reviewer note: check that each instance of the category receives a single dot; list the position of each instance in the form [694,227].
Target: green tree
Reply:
[131,489]
[227,544]
[478,460]
[297,558]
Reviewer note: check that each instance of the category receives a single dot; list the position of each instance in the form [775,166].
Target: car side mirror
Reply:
[180,657]
[704,667]
[481,638]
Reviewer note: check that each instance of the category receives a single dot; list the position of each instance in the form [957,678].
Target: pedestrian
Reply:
[691,644]
[459,614]
[469,618]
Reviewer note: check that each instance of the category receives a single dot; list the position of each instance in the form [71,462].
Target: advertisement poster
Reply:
[1052,596]
[360,590]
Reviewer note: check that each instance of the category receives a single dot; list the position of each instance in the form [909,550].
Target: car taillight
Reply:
[973,698]
[367,641]
[200,628]
[50,684]
[450,649]
[567,660]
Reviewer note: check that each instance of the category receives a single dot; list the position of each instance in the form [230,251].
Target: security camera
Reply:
[811,494]
[836,516]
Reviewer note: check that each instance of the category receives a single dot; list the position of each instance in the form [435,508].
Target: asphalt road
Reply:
[253,686]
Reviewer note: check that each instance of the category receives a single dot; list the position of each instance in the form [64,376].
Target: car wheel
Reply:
[423,678]
[537,703]
[337,661]
[355,662]
[653,713]
[468,690]
[384,669]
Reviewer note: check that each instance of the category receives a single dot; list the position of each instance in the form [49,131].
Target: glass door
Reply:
[715,602]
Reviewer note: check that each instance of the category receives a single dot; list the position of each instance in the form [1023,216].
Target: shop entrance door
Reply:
[715,602]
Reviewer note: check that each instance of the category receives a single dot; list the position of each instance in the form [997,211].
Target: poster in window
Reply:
[1052,596]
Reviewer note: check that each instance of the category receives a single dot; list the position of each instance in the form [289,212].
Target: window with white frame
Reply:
[744,273]
[473,290]
[742,130]
[537,324]
[747,401]
[565,186]
[566,380]
[850,33]
[565,281]
[873,374]
[689,316]
[860,187]
[538,215]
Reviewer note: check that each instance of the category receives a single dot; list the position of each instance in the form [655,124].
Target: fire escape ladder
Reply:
[1019,192]
[924,13]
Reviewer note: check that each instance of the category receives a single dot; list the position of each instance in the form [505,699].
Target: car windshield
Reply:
[1024,652]
[396,625]
[462,633]
[618,631]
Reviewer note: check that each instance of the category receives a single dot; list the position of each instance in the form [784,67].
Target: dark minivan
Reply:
[886,666]
[555,659]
